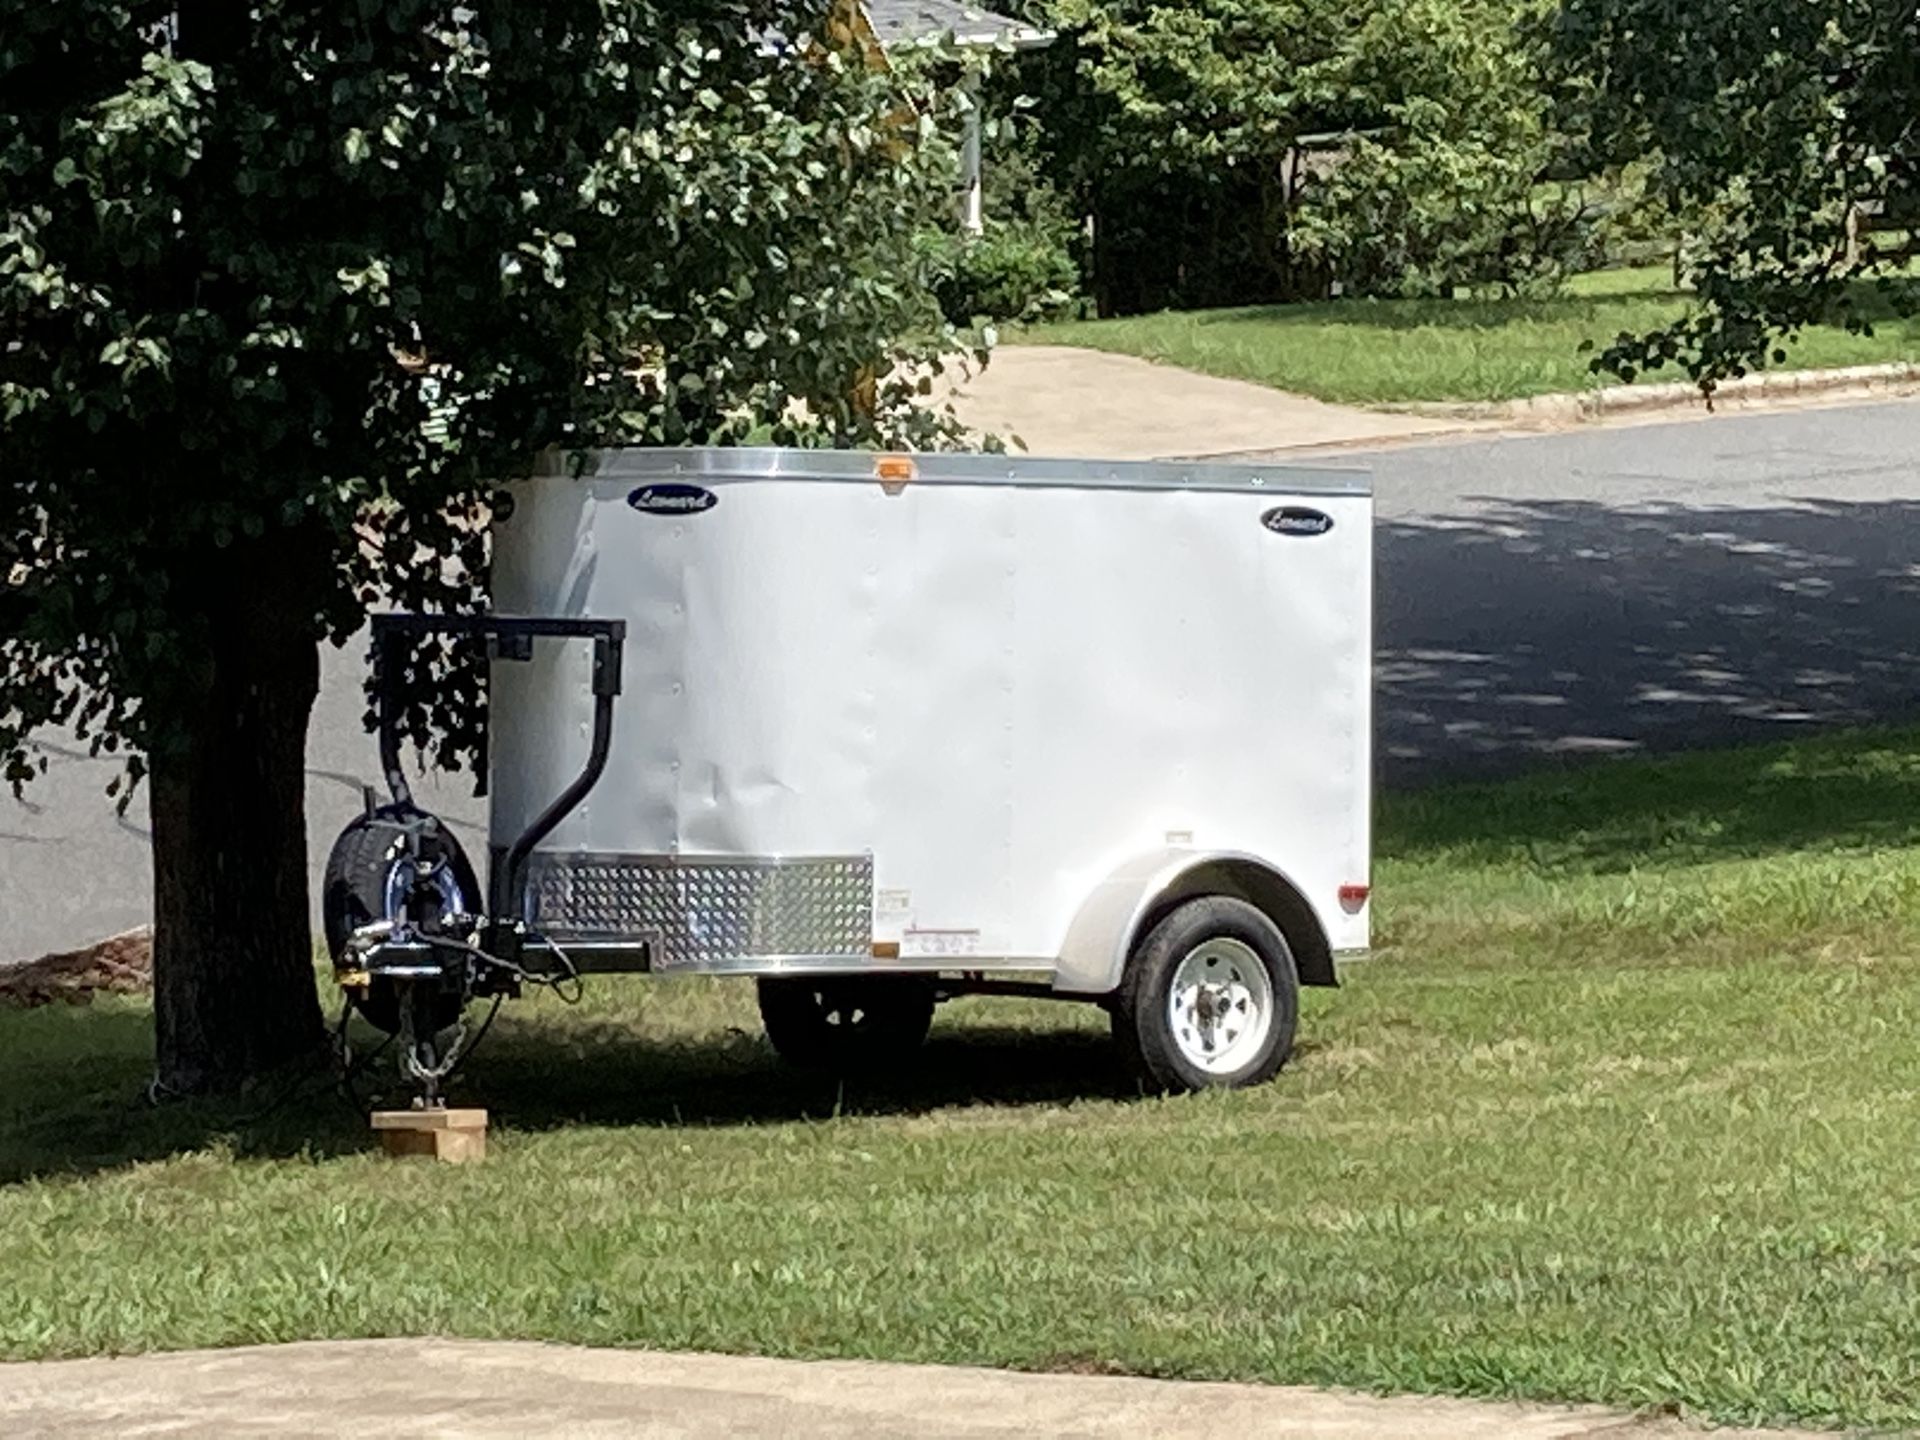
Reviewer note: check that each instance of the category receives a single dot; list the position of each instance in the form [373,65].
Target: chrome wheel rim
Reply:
[1220,1006]
[401,880]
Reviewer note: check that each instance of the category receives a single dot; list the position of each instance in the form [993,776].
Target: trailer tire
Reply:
[1210,998]
[846,1025]
[353,892]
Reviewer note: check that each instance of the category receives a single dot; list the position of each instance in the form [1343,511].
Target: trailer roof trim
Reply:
[721,465]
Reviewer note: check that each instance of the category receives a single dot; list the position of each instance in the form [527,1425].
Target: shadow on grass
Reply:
[75,1100]
[1856,792]
[549,1074]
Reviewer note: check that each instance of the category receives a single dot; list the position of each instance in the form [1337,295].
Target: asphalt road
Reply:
[1540,598]
[1689,584]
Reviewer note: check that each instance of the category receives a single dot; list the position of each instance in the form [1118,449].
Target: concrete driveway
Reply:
[444,1388]
[1061,401]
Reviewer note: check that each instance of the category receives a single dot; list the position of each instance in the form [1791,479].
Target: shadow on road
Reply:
[1530,632]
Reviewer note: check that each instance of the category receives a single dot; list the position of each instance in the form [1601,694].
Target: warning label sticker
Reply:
[935,944]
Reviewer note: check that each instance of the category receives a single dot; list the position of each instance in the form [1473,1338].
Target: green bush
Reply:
[1018,270]
[1248,151]
[1432,215]
[1467,182]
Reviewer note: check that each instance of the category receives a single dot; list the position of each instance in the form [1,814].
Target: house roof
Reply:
[929,22]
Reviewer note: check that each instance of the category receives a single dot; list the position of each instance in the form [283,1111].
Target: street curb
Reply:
[1608,401]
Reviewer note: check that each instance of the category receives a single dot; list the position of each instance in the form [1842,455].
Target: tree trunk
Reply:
[232,949]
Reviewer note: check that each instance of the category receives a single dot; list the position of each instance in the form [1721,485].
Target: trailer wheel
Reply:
[846,1025]
[359,887]
[1210,999]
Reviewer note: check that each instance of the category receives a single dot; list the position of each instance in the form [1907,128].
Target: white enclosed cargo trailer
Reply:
[891,729]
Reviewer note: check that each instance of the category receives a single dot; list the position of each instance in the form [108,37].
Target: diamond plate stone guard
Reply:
[708,909]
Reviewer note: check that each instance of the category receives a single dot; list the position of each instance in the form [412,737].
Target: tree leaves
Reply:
[319,279]
[1239,150]
[1778,125]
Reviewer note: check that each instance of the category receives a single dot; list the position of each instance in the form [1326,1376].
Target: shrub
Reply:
[1195,135]
[1018,270]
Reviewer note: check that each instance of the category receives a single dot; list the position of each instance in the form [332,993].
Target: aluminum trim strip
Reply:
[715,466]
[845,965]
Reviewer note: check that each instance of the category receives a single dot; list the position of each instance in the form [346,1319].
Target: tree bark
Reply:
[233,980]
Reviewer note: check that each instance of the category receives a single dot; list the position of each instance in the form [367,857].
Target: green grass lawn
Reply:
[1626,1109]
[1401,351]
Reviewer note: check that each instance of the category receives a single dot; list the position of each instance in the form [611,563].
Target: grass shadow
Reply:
[75,1102]
[74,1099]
[1858,791]
[549,1073]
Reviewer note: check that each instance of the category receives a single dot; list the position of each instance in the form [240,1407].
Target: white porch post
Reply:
[972,214]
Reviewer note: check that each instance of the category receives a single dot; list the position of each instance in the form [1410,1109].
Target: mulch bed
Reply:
[122,965]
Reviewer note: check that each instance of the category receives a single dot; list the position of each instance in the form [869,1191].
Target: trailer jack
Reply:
[414,942]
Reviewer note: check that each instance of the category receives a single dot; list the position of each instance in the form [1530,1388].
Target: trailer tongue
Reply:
[880,731]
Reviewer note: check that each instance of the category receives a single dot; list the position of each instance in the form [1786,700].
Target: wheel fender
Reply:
[1093,956]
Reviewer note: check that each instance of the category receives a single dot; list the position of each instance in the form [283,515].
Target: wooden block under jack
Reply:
[453,1136]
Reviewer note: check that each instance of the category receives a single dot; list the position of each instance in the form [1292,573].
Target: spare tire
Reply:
[360,886]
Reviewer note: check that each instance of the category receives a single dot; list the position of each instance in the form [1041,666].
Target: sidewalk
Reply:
[1085,403]
[401,1388]
[1063,401]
